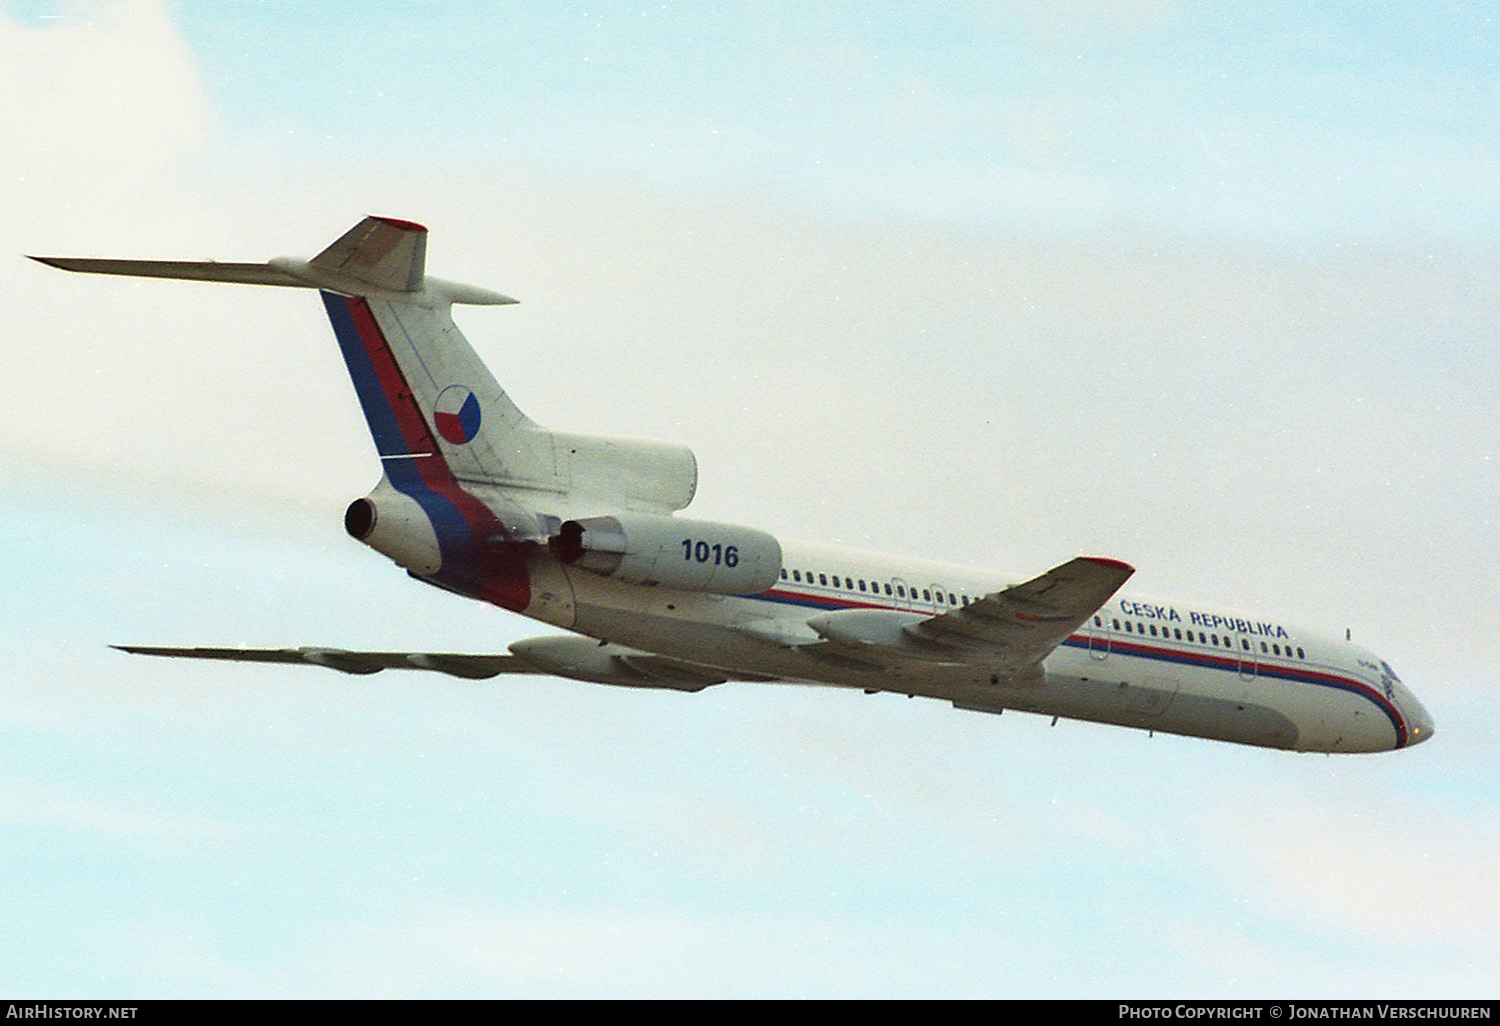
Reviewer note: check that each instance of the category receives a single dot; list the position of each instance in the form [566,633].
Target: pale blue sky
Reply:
[1298,119]
[1288,119]
[1212,292]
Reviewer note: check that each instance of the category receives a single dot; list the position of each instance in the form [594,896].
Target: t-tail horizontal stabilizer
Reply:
[378,255]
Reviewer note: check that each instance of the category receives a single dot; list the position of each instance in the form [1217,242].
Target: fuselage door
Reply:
[1247,658]
[904,595]
[1098,638]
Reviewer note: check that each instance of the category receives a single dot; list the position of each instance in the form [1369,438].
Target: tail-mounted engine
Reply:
[649,548]
[394,525]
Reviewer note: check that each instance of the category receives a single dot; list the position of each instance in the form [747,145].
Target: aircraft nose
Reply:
[1418,720]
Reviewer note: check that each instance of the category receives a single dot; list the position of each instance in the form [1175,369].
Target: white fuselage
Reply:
[1157,665]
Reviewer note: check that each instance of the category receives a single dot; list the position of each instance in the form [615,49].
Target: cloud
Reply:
[1383,874]
[96,103]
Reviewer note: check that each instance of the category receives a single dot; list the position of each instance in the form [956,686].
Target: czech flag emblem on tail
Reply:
[457,415]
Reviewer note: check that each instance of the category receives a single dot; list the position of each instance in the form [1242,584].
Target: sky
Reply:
[1212,291]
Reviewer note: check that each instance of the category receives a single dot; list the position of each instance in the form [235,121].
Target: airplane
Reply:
[582,533]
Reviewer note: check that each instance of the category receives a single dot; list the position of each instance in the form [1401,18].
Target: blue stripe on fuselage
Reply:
[384,427]
[1200,660]
[454,533]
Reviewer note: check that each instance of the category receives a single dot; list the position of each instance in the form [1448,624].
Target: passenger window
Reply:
[1128,628]
[900,591]
[1177,633]
[887,589]
[1215,638]
[1299,653]
[823,579]
[861,584]
[797,576]
[1153,630]
[926,595]
[1097,622]
[1117,624]
[1245,644]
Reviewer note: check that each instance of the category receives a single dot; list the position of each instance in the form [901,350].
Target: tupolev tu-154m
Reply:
[582,533]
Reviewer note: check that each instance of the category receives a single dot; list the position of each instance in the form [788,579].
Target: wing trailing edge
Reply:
[454,664]
[571,657]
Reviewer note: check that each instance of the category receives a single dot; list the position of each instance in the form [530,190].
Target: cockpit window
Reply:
[1389,672]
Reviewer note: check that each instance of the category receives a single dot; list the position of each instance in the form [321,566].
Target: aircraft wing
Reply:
[574,658]
[473,667]
[1018,627]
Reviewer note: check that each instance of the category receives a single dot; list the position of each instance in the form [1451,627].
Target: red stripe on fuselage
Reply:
[1227,663]
[501,572]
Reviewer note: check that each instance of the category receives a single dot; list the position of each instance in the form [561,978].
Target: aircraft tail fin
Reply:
[424,392]
[433,408]
[381,252]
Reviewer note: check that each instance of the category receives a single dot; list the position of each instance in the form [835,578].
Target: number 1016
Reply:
[703,552]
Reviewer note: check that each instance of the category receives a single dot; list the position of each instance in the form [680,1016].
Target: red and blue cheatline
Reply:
[456,414]
[465,527]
